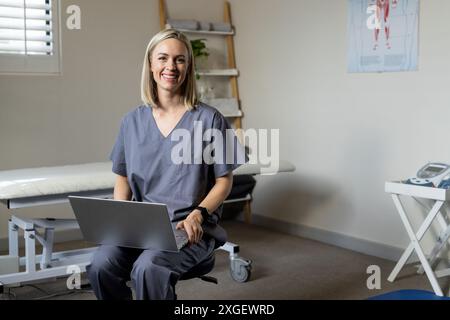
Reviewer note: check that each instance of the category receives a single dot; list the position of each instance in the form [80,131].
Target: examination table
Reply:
[51,185]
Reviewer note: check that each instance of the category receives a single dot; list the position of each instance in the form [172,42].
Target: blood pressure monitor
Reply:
[432,175]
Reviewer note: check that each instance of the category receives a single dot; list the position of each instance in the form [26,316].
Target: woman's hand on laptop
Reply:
[193,226]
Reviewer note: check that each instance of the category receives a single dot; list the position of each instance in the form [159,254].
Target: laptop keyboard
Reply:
[181,238]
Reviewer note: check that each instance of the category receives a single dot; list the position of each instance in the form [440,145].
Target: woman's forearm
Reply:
[122,190]
[214,198]
[218,193]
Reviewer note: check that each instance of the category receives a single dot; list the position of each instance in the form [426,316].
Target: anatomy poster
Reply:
[382,35]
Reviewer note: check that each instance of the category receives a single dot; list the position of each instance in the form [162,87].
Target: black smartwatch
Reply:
[204,211]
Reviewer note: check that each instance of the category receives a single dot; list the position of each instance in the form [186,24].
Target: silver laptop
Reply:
[130,224]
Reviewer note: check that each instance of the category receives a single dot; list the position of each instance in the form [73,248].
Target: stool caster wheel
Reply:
[241,269]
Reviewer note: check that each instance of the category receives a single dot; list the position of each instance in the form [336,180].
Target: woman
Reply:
[143,160]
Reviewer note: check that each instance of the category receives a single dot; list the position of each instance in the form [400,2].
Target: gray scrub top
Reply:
[143,155]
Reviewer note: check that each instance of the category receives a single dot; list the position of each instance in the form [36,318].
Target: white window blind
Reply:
[29,36]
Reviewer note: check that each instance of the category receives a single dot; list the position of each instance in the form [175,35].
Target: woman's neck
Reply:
[169,101]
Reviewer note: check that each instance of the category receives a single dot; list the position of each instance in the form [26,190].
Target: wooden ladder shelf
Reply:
[232,72]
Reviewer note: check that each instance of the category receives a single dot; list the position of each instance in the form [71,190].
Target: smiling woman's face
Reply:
[169,64]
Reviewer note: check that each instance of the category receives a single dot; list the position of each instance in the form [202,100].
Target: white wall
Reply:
[346,133]
[73,118]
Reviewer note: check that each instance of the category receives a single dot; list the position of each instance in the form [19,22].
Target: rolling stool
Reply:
[200,271]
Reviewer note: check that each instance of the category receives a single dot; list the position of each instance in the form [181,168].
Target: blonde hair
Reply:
[149,93]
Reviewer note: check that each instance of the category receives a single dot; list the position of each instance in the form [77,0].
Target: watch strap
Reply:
[204,212]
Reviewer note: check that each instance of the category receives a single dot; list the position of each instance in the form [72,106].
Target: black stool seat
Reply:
[200,270]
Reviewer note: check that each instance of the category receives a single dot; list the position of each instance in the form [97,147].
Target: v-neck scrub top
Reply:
[143,155]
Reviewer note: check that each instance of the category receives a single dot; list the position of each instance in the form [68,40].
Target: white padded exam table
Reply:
[51,185]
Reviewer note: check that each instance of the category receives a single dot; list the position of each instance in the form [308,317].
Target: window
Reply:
[29,36]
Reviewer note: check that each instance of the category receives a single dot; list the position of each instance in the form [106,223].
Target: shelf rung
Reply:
[233,115]
[218,72]
[213,33]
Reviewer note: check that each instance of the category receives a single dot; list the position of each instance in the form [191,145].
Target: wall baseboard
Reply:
[332,238]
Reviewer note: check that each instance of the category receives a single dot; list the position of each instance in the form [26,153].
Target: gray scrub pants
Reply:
[153,273]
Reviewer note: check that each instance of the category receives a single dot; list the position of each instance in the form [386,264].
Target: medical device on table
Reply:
[432,175]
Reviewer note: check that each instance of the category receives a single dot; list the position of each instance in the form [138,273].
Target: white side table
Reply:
[438,196]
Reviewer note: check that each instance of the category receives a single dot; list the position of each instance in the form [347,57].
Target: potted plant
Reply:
[200,51]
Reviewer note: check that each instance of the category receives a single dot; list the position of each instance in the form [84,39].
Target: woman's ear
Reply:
[149,59]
